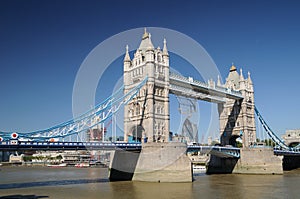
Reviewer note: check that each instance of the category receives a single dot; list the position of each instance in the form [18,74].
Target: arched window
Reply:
[137,109]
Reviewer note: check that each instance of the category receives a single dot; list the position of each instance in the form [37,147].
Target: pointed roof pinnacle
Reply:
[146,34]
[127,57]
[249,78]
[232,68]
[146,42]
[165,50]
[241,75]
[219,81]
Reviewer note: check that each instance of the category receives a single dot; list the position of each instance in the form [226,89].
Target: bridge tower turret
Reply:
[237,117]
[147,116]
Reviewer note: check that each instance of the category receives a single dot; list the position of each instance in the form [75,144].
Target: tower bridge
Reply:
[147,116]
[144,95]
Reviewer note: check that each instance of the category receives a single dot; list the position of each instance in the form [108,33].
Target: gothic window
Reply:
[249,100]
[231,124]
[249,120]
[137,109]
[236,110]
[158,58]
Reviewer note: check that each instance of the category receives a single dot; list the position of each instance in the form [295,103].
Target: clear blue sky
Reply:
[43,43]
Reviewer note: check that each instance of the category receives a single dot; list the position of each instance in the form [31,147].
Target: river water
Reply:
[92,183]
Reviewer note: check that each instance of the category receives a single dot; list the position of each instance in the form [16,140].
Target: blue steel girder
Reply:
[34,146]
[97,115]
[273,136]
[223,152]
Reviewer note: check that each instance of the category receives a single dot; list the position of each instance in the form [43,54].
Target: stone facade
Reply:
[258,161]
[291,137]
[163,162]
[237,117]
[147,116]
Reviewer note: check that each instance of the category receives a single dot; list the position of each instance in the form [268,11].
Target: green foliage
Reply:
[213,143]
[239,145]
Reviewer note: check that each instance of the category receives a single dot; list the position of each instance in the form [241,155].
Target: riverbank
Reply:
[49,164]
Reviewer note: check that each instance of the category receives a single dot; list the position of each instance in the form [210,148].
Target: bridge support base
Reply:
[258,161]
[252,161]
[157,162]
[163,162]
[122,165]
[218,165]
[291,162]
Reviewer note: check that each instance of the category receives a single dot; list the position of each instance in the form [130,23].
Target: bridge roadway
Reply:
[34,145]
[13,145]
[220,151]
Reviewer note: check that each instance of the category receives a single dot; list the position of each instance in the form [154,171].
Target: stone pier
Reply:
[290,162]
[157,162]
[251,161]
[258,161]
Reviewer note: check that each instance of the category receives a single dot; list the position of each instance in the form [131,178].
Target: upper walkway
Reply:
[189,87]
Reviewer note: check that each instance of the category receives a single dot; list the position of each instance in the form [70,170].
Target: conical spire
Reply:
[219,81]
[165,50]
[241,75]
[127,57]
[232,68]
[146,42]
[146,34]
[249,78]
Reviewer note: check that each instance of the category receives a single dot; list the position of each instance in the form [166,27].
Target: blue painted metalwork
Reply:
[39,145]
[226,152]
[91,118]
[273,136]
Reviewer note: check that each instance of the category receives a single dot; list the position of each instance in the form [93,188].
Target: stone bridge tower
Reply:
[237,117]
[147,116]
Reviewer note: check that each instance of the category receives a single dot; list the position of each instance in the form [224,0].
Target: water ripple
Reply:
[51,183]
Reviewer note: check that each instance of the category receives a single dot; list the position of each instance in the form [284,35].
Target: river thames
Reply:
[92,183]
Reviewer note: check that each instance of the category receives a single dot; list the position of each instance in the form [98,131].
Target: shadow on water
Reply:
[22,197]
[51,183]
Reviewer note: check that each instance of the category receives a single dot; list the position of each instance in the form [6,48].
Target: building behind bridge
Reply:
[291,137]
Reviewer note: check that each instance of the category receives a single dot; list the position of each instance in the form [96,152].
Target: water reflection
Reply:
[92,183]
[23,197]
